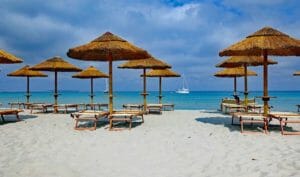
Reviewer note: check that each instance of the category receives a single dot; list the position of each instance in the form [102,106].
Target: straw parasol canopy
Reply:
[91,73]
[237,61]
[161,73]
[244,61]
[266,39]
[264,42]
[7,58]
[297,73]
[144,64]
[27,72]
[234,73]
[55,64]
[108,47]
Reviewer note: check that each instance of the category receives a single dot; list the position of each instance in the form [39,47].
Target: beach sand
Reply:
[174,144]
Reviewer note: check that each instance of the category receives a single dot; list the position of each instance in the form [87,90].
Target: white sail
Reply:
[184,89]
[106,86]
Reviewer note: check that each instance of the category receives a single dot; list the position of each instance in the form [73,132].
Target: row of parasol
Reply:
[254,51]
[107,47]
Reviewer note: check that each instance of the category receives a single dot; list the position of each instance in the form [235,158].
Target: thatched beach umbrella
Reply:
[234,73]
[28,73]
[7,58]
[148,63]
[160,73]
[297,73]
[244,61]
[91,73]
[264,42]
[55,64]
[108,47]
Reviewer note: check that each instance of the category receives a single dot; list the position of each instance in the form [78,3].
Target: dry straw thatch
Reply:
[56,64]
[264,42]
[297,73]
[7,58]
[90,72]
[145,64]
[148,63]
[106,46]
[267,39]
[161,73]
[237,61]
[234,72]
[26,72]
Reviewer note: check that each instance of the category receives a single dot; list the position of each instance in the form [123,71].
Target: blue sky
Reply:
[187,34]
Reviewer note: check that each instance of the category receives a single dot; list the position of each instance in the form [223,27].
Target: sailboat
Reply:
[106,86]
[184,89]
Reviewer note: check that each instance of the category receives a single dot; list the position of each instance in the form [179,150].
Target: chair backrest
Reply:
[233,101]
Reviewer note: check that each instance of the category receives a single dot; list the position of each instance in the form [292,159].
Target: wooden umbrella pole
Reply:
[234,84]
[160,94]
[110,84]
[55,91]
[246,87]
[265,80]
[27,90]
[92,90]
[144,89]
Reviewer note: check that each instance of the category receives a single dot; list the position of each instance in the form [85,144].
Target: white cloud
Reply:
[189,36]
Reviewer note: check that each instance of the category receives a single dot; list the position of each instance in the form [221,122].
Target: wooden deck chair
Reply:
[15,112]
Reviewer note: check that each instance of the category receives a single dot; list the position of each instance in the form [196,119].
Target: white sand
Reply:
[175,144]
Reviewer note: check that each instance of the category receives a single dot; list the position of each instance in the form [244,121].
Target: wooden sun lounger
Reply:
[284,119]
[168,107]
[133,106]
[154,108]
[40,106]
[19,105]
[124,116]
[95,105]
[231,108]
[65,107]
[10,112]
[88,115]
[250,118]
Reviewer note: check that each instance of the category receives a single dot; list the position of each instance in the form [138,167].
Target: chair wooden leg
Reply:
[76,124]
[18,118]
[285,121]
[130,122]
[110,124]
[266,126]
[242,125]
[281,127]
[95,124]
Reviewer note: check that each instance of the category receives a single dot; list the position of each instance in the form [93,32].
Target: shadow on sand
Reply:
[13,119]
[226,122]
[104,123]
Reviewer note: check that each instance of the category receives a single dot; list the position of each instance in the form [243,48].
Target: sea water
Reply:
[196,100]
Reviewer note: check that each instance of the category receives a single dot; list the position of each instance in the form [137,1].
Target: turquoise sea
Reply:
[196,100]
